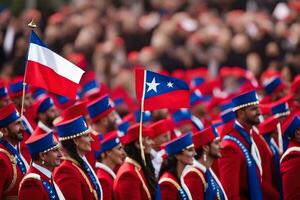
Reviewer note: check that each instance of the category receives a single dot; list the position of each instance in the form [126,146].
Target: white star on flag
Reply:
[152,85]
[170,85]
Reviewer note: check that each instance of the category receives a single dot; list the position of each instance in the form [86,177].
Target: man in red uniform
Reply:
[290,160]
[240,164]
[46,113]
[109,157]
[12,165]
[46,155]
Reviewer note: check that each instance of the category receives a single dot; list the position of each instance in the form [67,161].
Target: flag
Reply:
[160,91]
[50,71]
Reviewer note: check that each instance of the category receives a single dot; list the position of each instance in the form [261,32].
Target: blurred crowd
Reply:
[109,37]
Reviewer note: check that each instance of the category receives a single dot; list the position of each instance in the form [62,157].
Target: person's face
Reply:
[52,158]
[147,143]
[186,156]
[215,148]
[117,155]
[159,140]
[4,101]
[297,135]
[51,114]
[83,143]
[28,100]
[106,124]
[296,98]
[252,115]
[15,131]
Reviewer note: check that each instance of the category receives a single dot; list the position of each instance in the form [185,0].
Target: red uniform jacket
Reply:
[169,187]
[289,169]
[106,178]
[33,185]
[23,148]
[73,181]
[130,182]
[7,166]
[268,187]
[233,168]
[195,181]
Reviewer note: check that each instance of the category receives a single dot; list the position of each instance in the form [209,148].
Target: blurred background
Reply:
[261,37]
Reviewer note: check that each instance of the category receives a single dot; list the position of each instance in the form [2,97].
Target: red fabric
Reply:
[33,186]
[107,183]
[23,148]
[195,184]
[269,188]
[289,168]
[233,168]
[44,77]
[6,175]
[128,185]
[168,190]
[71,182]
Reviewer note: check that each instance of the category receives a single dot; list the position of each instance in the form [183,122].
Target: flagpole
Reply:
[141,121]
[31,25]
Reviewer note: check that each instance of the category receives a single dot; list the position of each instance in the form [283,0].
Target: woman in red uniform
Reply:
[109,158]
[37,183]
[290,160]
[180,153]
[75,176]
[200,180]
[135,180]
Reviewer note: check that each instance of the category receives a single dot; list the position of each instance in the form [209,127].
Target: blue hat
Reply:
[245,100]
[147,116]
[181,115]
[281,109]
[197,81]
[289,128]
[197,97]
[179,144]
[99,108]
[37,143]
[123,127]
[43,104]
[72,128]
[3,90]
[37,92]
[8,114]
[226,112]
[274,85]
[16,87]
[109,142]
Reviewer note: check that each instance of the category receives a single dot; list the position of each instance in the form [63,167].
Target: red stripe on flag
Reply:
[172,100]
[42,76]
[139,82]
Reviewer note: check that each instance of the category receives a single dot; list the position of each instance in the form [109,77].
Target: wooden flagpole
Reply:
[141,121]
[31,25]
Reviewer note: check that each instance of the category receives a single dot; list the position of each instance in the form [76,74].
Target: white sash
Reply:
[289,150]
[106,168]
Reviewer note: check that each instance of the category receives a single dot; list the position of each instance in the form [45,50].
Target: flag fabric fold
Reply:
[50,71]
[160,91]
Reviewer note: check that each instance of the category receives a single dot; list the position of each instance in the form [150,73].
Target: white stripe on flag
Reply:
[54,61]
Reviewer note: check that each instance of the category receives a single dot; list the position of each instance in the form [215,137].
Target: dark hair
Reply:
[199,152]
[35,157]
[70,147]
[134,153]
[169,165]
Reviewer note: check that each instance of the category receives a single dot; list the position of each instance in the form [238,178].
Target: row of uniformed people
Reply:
[76,142]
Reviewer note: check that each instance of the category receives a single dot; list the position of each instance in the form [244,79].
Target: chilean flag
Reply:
[50,71]
[160,91]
